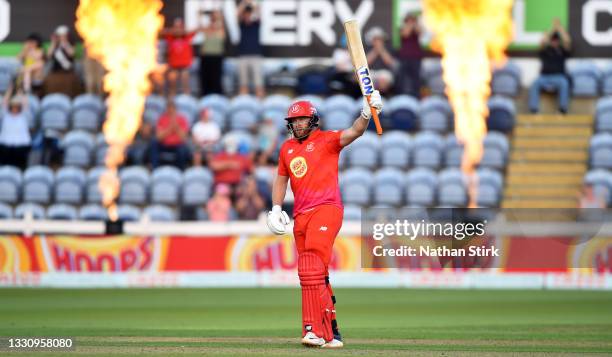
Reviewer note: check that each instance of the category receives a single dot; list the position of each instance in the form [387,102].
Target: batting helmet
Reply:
[302,109]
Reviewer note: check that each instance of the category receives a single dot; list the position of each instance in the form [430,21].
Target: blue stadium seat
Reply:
[87,110]
[601,151]
[340,112]
[78,146]
[421,187]
[35,210]
[128,213]
[69,185]
[6,211]
[356,186]
[155,105]
[245,141]
[490,187]
[453,151]
[603,114]
[496,148]
[264,174]
[61,211]
[506,80]
[38,184]
[602,183]
[606,81]
[165,185]
[160,213]
[55,112]
[188,106]
[93,177]
[435,114]
[585,79]
[101,149]
[93,212]
[452,188]
[388,187]
[197,183]
[395,149]
[352,213]
[402,113]
[275,107]
[427,150]
[502,113]
[34,106]
[432,73]
[8,70]
[244,112]
[135,181]
[218,105]
[11,181]
[364,150]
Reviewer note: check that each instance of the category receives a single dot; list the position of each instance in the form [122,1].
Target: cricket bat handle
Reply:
[375,117]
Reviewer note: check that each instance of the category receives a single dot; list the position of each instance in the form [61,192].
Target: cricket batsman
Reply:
[309,159]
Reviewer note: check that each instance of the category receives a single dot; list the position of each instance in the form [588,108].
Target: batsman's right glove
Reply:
[277,220]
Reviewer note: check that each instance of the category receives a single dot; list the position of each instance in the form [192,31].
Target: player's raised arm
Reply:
[361,123]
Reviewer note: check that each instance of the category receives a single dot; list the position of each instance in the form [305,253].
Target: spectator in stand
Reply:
[61,54]
[554,51]
[342,78]
[171,134]
[380,60]
[267,141]
[219,207]
[158,75]
[15,139]
[32,59]
[249,49]
[180,55]
[229,166]
[140,147]
[205,135]
[410,55]
[249,202]
[94,75]
[212,52]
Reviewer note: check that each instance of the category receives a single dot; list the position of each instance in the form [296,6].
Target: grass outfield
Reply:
[266,322]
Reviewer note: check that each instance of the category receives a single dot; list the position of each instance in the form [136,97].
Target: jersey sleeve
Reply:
[332,140]
[282,168]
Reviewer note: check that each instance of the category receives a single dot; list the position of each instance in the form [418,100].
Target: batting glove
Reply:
[376,102]
[277,220]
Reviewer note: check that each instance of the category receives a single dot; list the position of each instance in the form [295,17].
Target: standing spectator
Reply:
[229,166]
[180,55]
[205,134]
[94,75]
[410,55]
[249,49]
[171,133]
[158,74]
[381,62]
[212,52]
[554,50]
[32,59]
[61,53]
[219,207]
[342,79]
[15,139]
[267,141]
[249,202]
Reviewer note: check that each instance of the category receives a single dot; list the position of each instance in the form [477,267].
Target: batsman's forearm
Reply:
[279,189]
[360,125]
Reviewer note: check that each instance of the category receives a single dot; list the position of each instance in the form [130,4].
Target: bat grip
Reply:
[375,117]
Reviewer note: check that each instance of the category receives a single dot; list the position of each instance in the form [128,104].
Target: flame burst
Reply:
[470,35]
[122,35]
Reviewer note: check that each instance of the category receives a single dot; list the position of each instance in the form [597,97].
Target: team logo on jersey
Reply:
[310,146]
[290,151]
[298,166]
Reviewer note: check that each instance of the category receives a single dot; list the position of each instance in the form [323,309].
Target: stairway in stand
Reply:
[548,160]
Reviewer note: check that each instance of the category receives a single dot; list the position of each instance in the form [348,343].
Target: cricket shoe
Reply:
[312,340]
[333,344]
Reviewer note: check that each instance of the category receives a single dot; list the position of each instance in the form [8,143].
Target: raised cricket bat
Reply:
[355,47]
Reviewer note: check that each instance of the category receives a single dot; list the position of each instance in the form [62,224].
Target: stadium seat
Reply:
[78,146]
[340,112]
[601,151]
[155,106]
[432,73]
[101,149]
[312,79]
[490,186]
[275,107]
[6,211]
[356,186]
[217,105]
[395,149]
[585,79]
[602,183]
[388,187]
[11,181]
[160,213]
[165,185]
[342,160]
[38,184]
[352,213]
[34,106]
[264,174]
[435,114]
[93,212]
[453,151]
[128,213]
[244,112]
[87,110]
[93,177]
[196,188]
[55,112]
[427,150]
[188,106]
[69,184]
[421,187]
[452,188]
[603,114]
[606,81]
[35,210]
[496,148]
[363,151]
[62,211]
[8,70]
[135,182]
[337,120]
[502,113]
[506,80]
[402,113]
[246,142]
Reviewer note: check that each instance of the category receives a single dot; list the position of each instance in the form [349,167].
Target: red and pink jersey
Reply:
[312,167]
